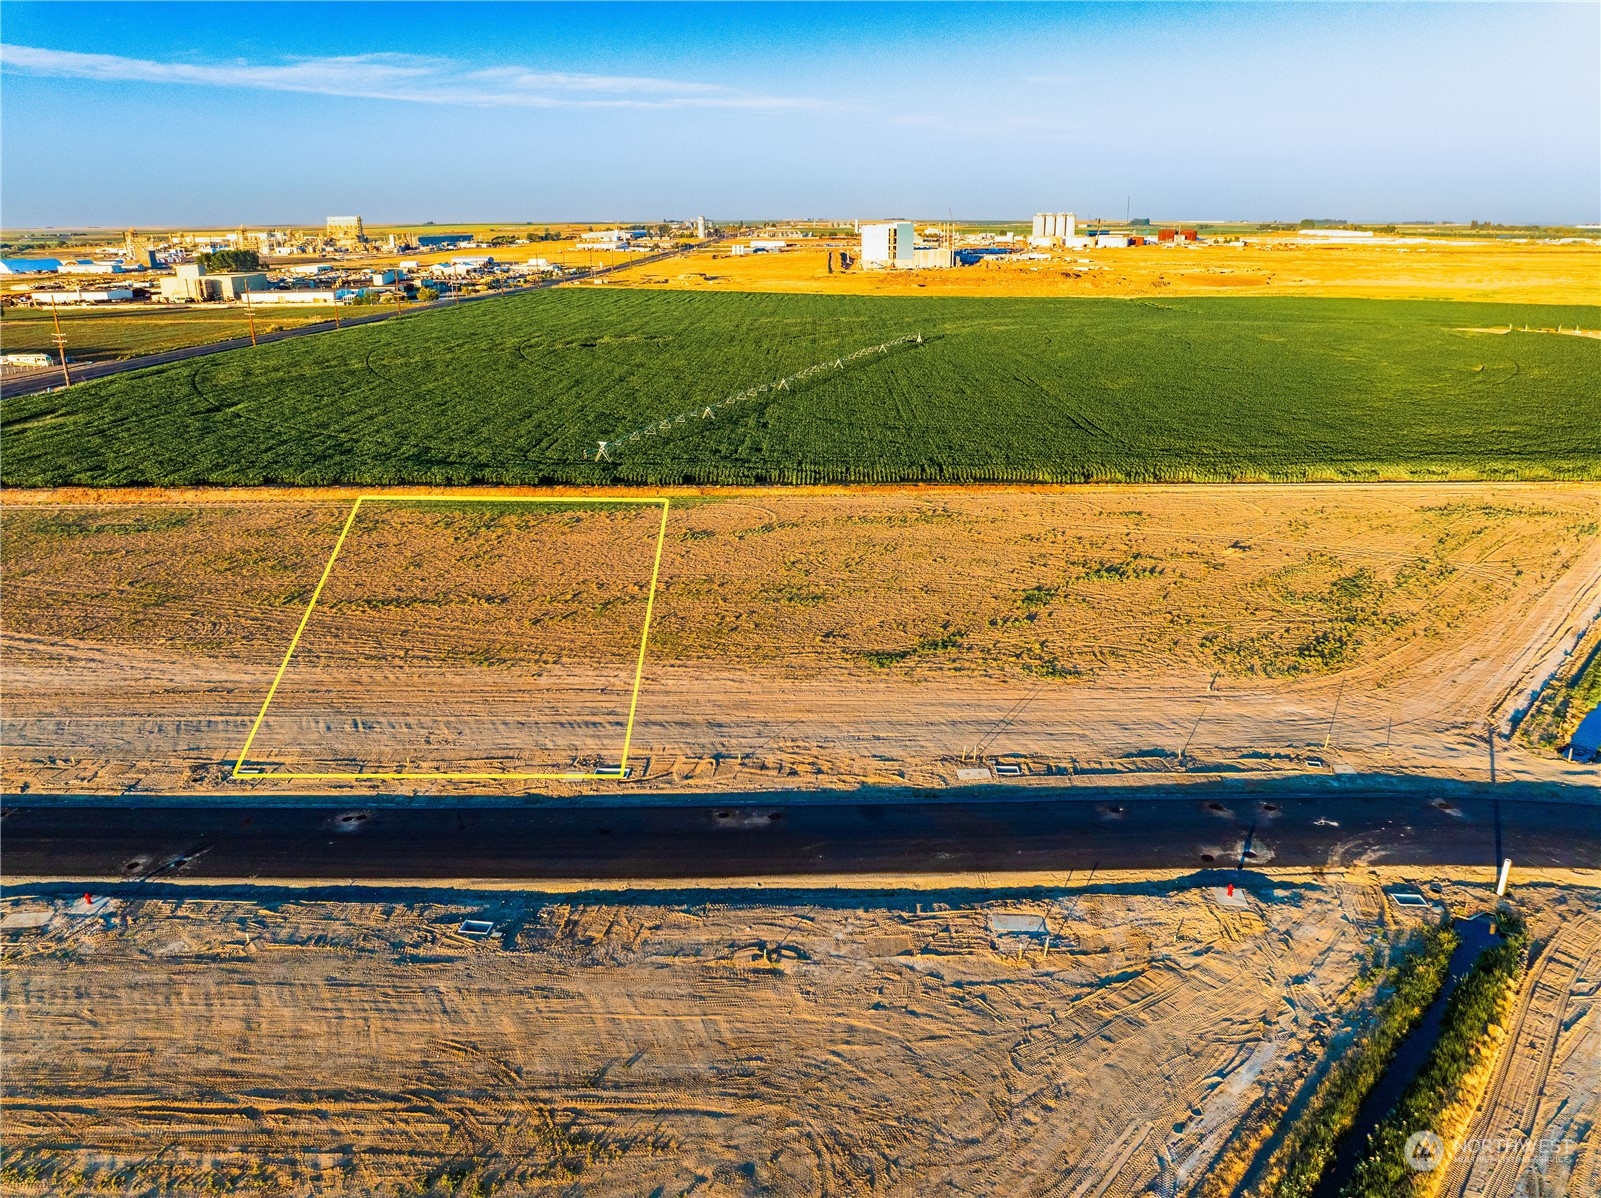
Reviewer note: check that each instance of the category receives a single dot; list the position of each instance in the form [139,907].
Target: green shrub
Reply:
[1464,1034]
[1308,1147]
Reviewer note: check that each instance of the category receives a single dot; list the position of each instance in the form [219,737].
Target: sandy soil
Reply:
[1391,269]
[1536,1118]
[707,1042]
[800,638]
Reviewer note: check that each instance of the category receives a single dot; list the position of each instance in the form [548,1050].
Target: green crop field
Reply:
[118,331]
[523,390]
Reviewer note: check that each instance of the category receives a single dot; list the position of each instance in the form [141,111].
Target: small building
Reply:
[888,244]
[311,270]
[383,278]
[932,257]
[442,241]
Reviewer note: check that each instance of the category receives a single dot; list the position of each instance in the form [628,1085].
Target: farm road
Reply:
[752,836]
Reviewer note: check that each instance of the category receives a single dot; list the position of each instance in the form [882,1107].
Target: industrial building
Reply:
[29,266]
[346,230]
[110,295]
[191,282]
[888,244]
[1054,227]
[88,266]
[258,298]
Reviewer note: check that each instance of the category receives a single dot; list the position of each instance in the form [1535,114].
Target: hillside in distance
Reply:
[525,389]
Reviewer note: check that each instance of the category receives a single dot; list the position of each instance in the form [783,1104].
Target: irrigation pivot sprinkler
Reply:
[709,411]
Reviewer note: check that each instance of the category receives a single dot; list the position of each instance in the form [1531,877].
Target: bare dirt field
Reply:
[800,638]
[1039,1037]
[1268,265]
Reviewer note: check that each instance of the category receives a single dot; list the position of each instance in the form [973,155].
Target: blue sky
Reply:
[283,113]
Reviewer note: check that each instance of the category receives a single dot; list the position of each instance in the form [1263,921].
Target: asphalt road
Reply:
[740,839]
[50,380]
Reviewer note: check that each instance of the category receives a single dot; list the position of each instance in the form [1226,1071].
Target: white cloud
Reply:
[401,77]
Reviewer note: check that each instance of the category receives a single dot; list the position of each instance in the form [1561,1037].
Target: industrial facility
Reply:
[893,245]
[1054,228]
[346,230]
[189,281]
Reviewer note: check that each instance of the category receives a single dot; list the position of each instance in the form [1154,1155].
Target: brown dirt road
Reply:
[802,638]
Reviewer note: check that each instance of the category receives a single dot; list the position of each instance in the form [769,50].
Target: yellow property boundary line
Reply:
[240,770]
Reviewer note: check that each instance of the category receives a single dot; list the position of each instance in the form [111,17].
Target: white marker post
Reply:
[1500,885]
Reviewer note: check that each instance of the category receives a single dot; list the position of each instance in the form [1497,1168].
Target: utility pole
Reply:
[60,339]
[1336,715]
[336,307]
[251,313]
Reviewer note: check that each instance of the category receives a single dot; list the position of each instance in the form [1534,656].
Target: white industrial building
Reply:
[1054,228]
[191,282]
[85,266]
[888,244]
[259,298]
[109,295]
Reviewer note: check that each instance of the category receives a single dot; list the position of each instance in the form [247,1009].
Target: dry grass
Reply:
[831,638]
[1454,270]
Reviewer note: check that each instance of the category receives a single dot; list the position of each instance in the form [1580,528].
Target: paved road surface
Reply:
[50,380]
[741,839]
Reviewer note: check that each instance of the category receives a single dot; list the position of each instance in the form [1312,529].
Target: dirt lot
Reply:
[1269,265]
[800,638]
[718,1042]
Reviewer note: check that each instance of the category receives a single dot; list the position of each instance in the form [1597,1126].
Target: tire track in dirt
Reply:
[1517,1092]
